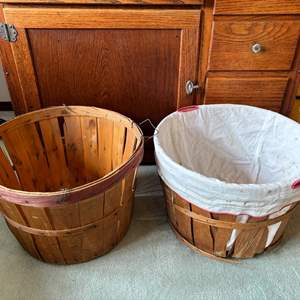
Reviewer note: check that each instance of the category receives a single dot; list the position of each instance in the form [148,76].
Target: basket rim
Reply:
[46,199]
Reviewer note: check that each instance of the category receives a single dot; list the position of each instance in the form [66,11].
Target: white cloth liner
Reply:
[234,159]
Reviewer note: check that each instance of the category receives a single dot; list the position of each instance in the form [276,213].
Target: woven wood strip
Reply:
[232,225]
[63,232]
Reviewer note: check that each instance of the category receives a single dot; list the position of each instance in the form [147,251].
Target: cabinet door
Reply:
[134,61]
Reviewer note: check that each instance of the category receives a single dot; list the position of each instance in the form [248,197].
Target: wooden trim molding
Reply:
[108,2]
[39,17]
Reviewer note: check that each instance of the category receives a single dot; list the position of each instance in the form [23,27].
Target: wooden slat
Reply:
[67,216]
[118,145]
[112,198]
[110,232]
[71,247]
[28,17]
[14,145]
[55,152]
[48,247]
[105,144]
[64,216]
[89,130]
[127,202]
[203,238]
[221,235]
[183,223]
[131,142]
[7,175]
[74,150]
[282,228]
[91,210]
[36,156]
[169,200]
[251,242]
[26,240]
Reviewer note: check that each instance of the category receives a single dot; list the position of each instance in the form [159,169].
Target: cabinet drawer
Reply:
[254,45]
[266,92]
[225,7]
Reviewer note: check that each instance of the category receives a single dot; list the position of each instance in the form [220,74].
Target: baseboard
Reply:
[5,106]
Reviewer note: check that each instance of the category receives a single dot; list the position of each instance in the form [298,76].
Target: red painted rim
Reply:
[296,184]
[188,108]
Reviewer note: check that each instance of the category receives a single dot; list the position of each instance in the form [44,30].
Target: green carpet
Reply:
[150,263]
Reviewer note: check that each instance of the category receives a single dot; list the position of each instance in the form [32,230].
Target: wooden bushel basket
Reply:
[208,233]
[67,178]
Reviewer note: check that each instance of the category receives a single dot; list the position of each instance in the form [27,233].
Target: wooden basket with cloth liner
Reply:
[209,233]
[67,180]
[201,208]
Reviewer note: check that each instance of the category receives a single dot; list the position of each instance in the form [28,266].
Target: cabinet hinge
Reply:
[8,32]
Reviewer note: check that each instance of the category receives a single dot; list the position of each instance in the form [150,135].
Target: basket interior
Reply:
[59,151]
[233,143]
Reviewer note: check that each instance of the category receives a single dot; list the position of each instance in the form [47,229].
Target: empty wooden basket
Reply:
[67,179]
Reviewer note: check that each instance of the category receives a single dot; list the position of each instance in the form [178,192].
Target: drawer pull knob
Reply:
[256,48]
[190,87]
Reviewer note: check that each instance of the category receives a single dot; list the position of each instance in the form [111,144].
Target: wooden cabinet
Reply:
[257,7]
[136,59]
[254,44]
[264,92]
[253,53]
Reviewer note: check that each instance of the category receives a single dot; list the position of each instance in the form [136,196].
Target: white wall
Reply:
[4,94]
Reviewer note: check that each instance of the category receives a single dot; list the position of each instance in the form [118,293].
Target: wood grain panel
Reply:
[232,42]
[204,49]
[264,92]
[228,7]
[188,64]
[25,71]
[122,70]
[116,2]
[10,73]
[32,17]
